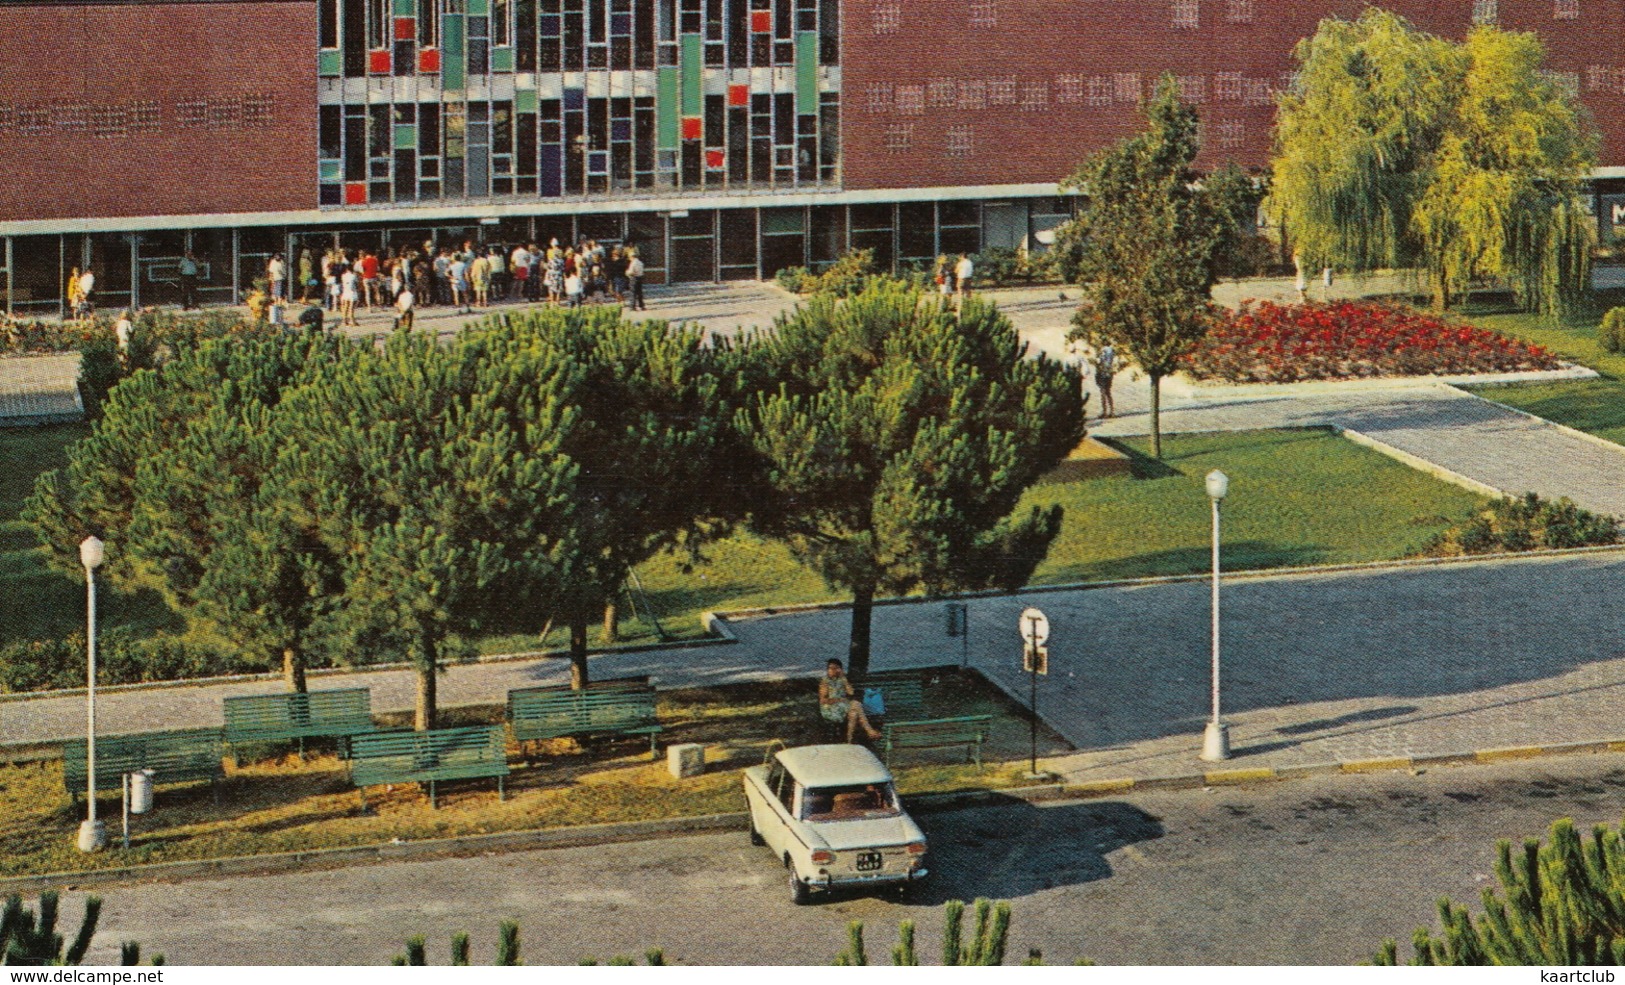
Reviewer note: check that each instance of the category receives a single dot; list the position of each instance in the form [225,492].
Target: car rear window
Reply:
[853,803]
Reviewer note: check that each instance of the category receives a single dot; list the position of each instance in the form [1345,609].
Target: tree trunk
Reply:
[293,669]
[612,623]
[424,717]
[1156,416]
[578,654]
[857,652]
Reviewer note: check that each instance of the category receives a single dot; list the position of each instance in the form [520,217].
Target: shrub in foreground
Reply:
[1527,523]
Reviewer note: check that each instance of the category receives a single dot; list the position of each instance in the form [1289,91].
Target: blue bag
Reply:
[874,702]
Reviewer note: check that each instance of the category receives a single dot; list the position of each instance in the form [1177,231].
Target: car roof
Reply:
[823,766]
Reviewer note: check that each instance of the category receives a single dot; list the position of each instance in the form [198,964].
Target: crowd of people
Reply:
[467,278]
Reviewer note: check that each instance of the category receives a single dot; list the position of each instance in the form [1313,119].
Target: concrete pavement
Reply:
[1420,660]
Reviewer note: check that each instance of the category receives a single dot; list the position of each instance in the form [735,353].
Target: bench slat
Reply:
[317,714]
[473,752]
[177,756]
[969,731]
[542,713]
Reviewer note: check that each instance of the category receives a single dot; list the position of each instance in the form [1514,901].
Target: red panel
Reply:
[761,21]
[406,29]
[378,62]
[715,160]
[693,128]
[739,95]
[355,193]
[429,60]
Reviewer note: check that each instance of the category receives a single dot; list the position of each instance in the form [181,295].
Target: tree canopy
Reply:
[894,438]
[1396,148]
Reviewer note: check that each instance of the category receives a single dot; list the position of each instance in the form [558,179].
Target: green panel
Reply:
[332,170]
[331,63]
[807,72]
[406,8]
[453,63]
[667,124]
[406,137]
[693,63]
[502,59]
[478,8]
[524,101]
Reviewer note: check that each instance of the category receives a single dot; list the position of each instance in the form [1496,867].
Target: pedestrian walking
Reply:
[369,278]
[87,293]
[276,274]
[75,299]
[964,270]
[944,276]
[1105,370]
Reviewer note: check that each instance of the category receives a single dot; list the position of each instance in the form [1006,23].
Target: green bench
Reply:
[337,714]
[538,713]
[474,752]
[969,731]
[902,691]
[179,756]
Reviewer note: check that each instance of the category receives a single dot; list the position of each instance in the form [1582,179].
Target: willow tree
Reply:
[1396,148]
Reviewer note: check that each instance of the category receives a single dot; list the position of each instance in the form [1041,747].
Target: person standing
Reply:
[964,270]
[479,278]
[634,275]
[369,278]
[404,309]
[75,299]
[276,274]
[188,272]
[349,294]
[307,275]
[87,293]
[499,273]
[943,276]
[458,273]
[519,260]
[121,331]
[1105,370]
[573,287]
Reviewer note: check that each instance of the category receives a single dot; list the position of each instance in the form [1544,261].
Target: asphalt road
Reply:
[1299,872]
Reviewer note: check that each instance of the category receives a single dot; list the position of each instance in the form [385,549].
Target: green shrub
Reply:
[1001,265]
[843,278]
[1612,332]
[794,279]
[1525,524]
[45,665]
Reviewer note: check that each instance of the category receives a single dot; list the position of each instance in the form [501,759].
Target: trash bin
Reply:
[141,791]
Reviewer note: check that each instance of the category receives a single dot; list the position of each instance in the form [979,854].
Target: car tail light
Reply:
[916,848]
[822,857]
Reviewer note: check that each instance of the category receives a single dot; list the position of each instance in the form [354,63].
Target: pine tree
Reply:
[1150,241]
[1558,903]
[893,440]
[30,938]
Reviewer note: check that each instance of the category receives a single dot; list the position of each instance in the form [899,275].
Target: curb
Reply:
[1564,428]
[1421,464]
[605,834]
[1198,391]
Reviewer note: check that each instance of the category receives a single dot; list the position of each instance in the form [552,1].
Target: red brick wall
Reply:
[157,109]
[933,95]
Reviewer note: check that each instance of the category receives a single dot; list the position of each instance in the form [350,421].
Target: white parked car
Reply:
[831,814]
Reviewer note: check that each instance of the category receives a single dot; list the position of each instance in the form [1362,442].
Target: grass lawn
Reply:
[1153,522]
[1595,406]
[280,805]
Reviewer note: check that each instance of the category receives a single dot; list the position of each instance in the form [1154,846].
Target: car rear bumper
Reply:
[866,879]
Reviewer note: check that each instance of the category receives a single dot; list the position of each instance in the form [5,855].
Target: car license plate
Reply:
[870,862]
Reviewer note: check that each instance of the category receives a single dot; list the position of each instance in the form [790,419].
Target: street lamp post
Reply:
[1216,739]
[92,834]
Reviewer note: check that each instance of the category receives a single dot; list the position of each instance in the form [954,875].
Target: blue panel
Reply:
[549,26]
[620,130]
[551,167]
[575,99]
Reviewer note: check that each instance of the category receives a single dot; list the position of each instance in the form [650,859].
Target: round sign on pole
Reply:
[1034,627]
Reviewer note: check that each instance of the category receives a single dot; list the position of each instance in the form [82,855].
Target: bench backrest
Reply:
[611,684]
[968,728]
[344,711]
[424,755]
[174,757]
[552,714]
[905,694]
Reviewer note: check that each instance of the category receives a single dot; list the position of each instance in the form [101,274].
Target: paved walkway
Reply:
[1424,660]
[39,389]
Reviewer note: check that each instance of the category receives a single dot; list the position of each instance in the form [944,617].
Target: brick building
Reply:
[726,138]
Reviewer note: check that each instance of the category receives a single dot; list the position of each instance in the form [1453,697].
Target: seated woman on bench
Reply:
[838,705]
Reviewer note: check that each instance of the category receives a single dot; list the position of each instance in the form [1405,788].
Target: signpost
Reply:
[1034,629]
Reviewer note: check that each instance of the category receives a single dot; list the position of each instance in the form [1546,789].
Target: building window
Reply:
[899,137]
[1566,10]
[1485,12]
[1034,96]
[1101,90]
[878,97]
[1001,92]
[911,100]
[887,17]
[942,94]
[1193,89]
[1126,87]
[960,142]
[1232,134]
[984,13]
[1187,15]
[973,94]
[1238,11]
[1071,90]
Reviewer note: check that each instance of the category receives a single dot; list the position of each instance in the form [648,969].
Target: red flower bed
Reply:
[1277,343]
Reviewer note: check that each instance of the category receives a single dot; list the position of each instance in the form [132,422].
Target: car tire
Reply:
[800,892]
[756,836]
